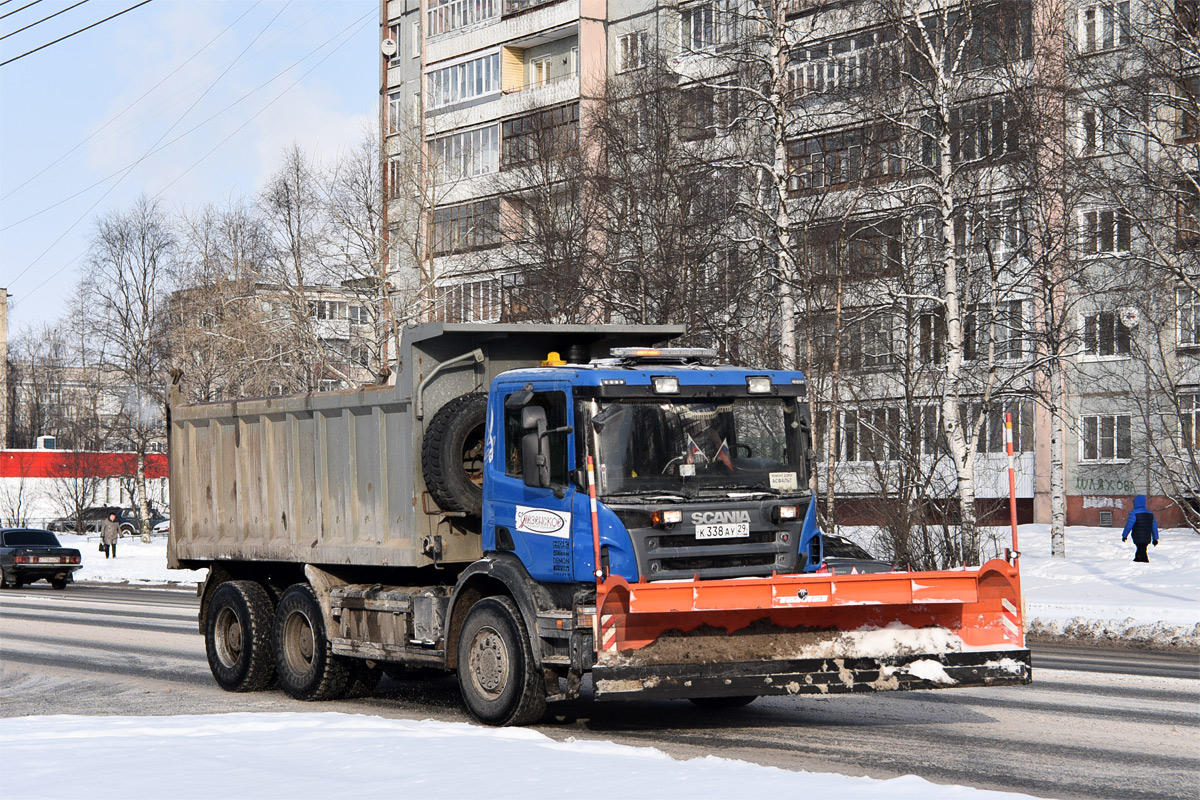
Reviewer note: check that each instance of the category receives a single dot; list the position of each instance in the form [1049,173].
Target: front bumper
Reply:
[815,675]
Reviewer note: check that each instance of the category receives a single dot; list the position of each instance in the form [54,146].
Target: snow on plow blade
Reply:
[814,633]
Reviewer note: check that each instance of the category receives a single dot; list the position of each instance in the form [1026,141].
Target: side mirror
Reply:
[534,465]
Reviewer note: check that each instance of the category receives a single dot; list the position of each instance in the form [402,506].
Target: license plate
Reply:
[49,559]
[723,530]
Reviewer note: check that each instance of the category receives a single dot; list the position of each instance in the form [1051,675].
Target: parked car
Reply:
[91,518]
[31,554]
[130,520]
[844,557]
[163,528]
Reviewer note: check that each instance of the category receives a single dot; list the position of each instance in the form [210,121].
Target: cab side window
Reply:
[555,404]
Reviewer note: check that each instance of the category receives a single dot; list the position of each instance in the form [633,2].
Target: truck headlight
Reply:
[670,516]
[785,513]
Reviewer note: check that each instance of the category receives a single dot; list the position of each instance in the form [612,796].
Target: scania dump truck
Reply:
[531,505]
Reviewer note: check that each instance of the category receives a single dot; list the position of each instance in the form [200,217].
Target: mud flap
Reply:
[814,675]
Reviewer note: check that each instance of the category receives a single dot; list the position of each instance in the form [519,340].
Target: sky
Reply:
[188,102]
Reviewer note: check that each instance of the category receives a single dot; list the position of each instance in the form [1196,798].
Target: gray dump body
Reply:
[334,478]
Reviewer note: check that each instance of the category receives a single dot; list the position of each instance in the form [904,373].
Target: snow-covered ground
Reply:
[319,756]
[305,756]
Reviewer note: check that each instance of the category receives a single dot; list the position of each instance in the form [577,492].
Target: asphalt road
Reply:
[1094,724]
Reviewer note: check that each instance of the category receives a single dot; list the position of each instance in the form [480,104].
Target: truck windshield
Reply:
[690,447]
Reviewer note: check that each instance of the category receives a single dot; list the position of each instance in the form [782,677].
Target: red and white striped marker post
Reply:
[599,570]
[1012,483]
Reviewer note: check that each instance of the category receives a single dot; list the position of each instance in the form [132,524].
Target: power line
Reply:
[123,111]
[162,136]
[76,33]
[349,27]
[22,8]
[40,21]
[183,135]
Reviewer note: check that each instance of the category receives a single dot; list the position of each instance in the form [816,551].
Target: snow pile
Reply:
[308,756]
[1099,594]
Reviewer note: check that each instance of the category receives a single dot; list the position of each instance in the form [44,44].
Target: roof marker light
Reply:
[758,384]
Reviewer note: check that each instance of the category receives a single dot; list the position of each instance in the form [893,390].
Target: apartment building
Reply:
[1071,194]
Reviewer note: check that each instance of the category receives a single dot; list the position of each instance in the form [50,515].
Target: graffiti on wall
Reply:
[1104,485]
[1103,502]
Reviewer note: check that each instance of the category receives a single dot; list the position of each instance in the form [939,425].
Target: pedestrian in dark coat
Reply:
[109,531]
[1143,527]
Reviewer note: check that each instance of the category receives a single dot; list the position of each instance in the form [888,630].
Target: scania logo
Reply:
[720,517]
[539,521]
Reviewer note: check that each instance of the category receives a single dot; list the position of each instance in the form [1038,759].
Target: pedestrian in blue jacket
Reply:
[1143,526]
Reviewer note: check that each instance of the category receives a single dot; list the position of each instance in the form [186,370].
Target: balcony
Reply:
[513,7]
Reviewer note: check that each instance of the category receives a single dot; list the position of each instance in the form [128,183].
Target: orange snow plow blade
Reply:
[816,632]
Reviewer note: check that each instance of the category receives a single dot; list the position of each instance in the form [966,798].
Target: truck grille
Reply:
[675,552]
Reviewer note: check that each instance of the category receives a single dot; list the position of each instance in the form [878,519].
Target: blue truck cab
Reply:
[701,469]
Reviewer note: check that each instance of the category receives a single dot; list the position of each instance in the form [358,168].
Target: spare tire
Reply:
[452,454]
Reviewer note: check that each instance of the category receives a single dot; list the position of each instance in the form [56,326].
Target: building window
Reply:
[465,81]
[984,130]
[543,134]
[1103,26]
[1104,334]
[357,315]
[1187,212]
[631,51]
[395,176]
[394,32]
[327,309]
[835,159]
[395,110]
[467,153]
[931,337]
[539,71]
[450,15]
[360,355]
[470,226]
[1002,325]
[990,436]
[1189,416]
[869,434]
[1188,304]
[699,26]
[1104,231]
[1106,438]
[472,301]
[1103,130]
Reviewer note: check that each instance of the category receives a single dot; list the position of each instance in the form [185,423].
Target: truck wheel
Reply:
[304,660]
[237,636]
[452,454]
[496,675]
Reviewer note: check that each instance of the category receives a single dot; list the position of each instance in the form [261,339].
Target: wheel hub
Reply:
[489,662]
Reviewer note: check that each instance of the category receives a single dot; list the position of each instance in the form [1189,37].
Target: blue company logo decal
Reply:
[543,522]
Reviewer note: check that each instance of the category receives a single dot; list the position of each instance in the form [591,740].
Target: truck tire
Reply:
[496,675]
[237,636]
[452,454]
[304,659]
